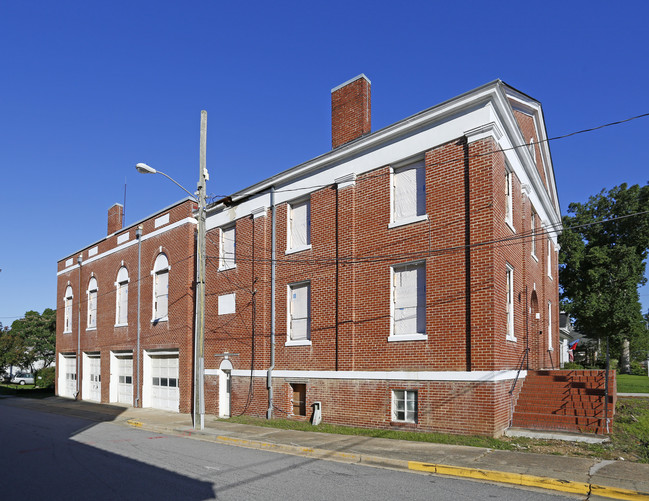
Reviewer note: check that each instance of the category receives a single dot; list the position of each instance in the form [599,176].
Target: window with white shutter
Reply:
[121,303]
[299,225]
[160,288]
[227,248]
[67,320]
[92,304]
[409,193]
[299,313]
[408,302]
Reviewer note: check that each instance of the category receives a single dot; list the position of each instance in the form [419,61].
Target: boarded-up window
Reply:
[409,192]
[160,287]
[92,303]
[409,297]
[299,311]
[509,283]
[299,399]
[67,324]
[227,248]
[299,234]
[121,316]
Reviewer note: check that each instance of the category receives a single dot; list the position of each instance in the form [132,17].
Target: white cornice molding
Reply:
[483,131]
[346,180]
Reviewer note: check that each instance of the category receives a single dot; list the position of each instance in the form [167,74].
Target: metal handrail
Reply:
[520,368]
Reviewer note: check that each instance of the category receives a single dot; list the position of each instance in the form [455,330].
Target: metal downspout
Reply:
[138,235]
[79,260]
[269,379]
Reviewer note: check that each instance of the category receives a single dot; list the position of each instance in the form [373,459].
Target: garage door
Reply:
[67,375]
[91,389]
[164,382]
[125,379]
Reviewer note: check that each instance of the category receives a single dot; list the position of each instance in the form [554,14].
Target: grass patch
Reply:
[25,390]
[627,383]
[631,428]
[413,436]
[629,436]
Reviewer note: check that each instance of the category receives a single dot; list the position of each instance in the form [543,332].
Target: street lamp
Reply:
[199,329]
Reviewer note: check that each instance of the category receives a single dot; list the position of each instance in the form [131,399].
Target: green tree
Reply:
[37,333]
[12,350]
[604,252]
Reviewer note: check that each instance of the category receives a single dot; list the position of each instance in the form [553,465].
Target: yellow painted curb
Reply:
[528,480]
[135,423]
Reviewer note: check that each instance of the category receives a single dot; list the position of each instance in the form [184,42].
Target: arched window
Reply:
[160,288]
[121,302]
[92,303]
[67,321]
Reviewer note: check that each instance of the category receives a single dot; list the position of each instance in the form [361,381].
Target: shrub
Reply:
[44,378]
[637,369]
[573,365]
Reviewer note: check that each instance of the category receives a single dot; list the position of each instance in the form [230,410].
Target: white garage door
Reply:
[164,382]
[125,379]
[91,389]
[67,375]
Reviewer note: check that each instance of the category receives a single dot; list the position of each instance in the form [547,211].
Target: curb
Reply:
[502,477]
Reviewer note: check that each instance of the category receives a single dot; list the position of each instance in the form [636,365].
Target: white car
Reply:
[23,378]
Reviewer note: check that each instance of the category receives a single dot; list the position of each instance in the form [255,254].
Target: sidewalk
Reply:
[605,479]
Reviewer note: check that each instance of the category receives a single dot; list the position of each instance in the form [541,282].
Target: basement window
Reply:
[404,406]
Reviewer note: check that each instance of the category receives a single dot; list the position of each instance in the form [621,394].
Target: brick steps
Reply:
[564,400]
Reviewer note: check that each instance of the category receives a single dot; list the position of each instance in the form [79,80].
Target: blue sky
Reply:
[88,89]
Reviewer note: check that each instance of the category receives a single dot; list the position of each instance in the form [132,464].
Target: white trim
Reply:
[93,251]
[468,376]
[346,180]
[69,262]
[298,342]
[155,233]
[483,131]
[410,220]
[298,249]
[124,237]
[408,337]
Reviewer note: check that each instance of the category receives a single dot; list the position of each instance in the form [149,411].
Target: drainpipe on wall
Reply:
[269,380]
[79,259]
[138,235]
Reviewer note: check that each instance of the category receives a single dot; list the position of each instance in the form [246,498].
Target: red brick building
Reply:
[97,313]
[398,279]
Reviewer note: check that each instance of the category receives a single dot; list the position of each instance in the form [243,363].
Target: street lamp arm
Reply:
[145,169]
[179,185]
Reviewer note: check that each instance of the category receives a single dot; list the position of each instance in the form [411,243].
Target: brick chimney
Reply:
[115,215]
[351,112]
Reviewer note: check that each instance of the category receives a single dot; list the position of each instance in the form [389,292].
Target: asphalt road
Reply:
[53,456]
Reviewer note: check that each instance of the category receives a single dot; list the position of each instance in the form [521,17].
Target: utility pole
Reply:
[199,336]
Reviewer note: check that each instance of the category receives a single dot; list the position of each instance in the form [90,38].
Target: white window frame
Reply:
[549,260]
[550,346]
[292,221]
[533,224]
[509,302]
[160,268]
[229,234]
[421,309]
[405,397]
[509,198]
[121,297]
[92,293]
[290,306]
[68,301]
[396,218]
